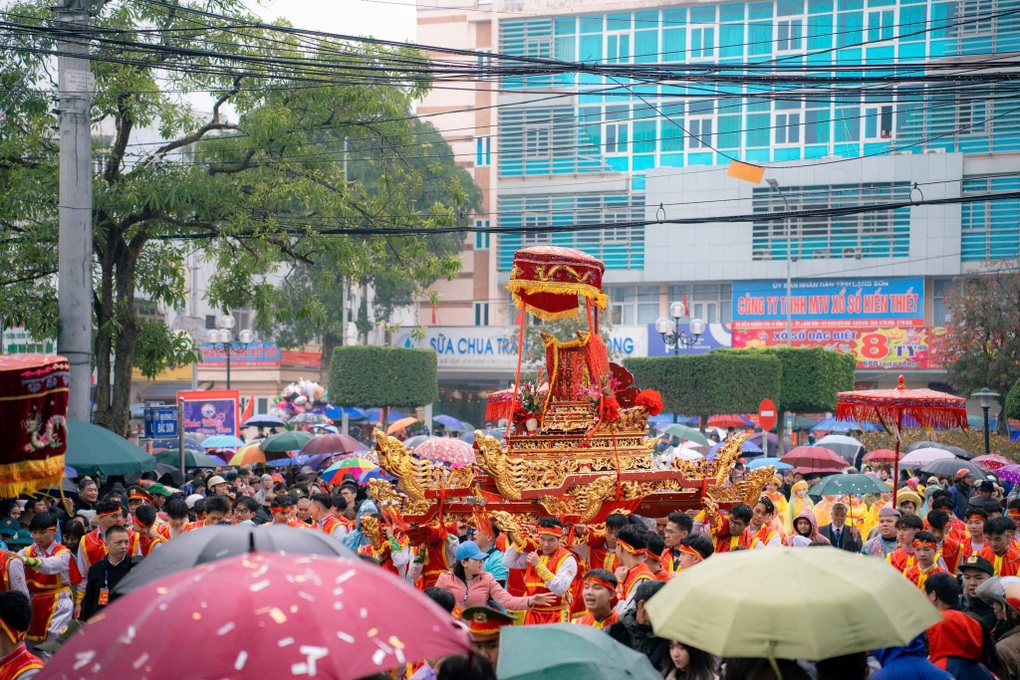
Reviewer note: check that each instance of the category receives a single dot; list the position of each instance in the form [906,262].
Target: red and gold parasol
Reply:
[33,422]
[547,280]
[928,408]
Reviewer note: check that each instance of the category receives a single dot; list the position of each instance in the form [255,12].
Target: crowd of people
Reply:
[64,558]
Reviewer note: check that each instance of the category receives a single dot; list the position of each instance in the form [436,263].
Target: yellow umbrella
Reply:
[247,455]
[791,603]
[397,425]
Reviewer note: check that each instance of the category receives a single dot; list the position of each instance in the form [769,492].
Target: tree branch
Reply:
[214,123]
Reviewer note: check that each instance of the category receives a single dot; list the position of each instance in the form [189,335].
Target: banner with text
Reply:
[210,411]
[875,348]
[830,303]
[242,355]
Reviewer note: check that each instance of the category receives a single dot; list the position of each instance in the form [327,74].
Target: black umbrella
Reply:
[955,450]
[208,544]
[948,467]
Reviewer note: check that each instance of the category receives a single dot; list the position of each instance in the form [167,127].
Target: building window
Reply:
[976,17]
[536,142]
[484,63]
[617,129]
[481,313]
[702,41]
[618,47]
[535,221]
[700,125]
[210,321]
[881,25]
[878,122]
[972,118]
[939,316]
[710,302]
[633,305]
[787,127]
[481,234]
[483,151]
[789,33]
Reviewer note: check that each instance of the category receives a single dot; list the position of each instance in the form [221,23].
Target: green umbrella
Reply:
[566,651]
[853,485]
[788,609]
[95,450]
[688,433]
[285,441]
[192,459]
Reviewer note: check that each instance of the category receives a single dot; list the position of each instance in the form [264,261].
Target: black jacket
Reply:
[846,538]
[102,574]
[640,638]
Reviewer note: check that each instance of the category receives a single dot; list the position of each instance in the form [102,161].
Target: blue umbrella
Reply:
[834,425]
[264,420]
[449,422]
[336,412]
[747,447]
[222,441]
[313,460]
[70,472]
[765,462]
[664,420]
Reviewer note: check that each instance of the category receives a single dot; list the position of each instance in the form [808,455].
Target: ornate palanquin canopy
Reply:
[33,425]
[547,280]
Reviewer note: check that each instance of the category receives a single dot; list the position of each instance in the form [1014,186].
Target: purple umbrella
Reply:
[1009,473]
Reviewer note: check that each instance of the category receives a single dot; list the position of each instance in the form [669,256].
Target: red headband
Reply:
[140,523]
[688,550]
[110,512]
[551,531]
[277,511]
[628,547]
[925,544]
[974,514]
[601,582]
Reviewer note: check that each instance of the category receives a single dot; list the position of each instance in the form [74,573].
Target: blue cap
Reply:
[468,550]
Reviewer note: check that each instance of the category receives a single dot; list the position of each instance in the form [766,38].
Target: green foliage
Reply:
[811,377]
[1012,408]
[981,344]
[725,381]
[383,376]
[254,194]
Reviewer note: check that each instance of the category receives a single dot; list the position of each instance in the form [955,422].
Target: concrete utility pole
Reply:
[74,282]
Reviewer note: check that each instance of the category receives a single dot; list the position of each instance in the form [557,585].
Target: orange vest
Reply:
[917,577]
[635,574]
[95,548]
[5,577]
[901,559]
[18,662]
[586,618]
[141,547]
[43,584]
[668,563]
[726,543]
[1007,565]
[764,535]
[534,584]
[950,553]
[329,525]
[437,560]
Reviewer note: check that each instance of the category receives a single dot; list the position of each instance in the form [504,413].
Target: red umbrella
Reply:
[929,408]
[734,420]
[992,462]
[274,614]
[881,456]
[814,457]
[332,444]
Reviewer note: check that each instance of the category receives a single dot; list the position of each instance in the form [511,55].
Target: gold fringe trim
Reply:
[30,476]
[560,288]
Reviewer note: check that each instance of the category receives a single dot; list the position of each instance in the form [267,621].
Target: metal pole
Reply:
[789,298]
[230,349]
[988,445]
[74,279]
[180,432]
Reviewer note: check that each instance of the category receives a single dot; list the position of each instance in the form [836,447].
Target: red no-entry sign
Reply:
[767,414]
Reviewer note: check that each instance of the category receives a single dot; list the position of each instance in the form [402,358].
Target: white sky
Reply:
[385,19]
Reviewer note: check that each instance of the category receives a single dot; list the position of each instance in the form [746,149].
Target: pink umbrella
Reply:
[815,457]
[454,452]
[881,456]
[278,615]
[331,444]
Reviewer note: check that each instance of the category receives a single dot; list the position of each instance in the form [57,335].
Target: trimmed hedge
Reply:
[373,376]
[705,384]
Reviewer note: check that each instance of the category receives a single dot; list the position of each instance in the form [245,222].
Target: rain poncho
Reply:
[796,505]
[907,663]
[356,538]
[798,541]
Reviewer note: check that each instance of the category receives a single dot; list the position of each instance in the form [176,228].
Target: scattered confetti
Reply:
[83,659]
[141,661]
[277,615]
[363,613]
[260,585]
[242,658]
[285,642]
[226,628]
[378,657]
[344,637]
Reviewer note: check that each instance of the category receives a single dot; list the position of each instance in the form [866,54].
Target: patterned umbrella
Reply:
[1010,473]
[446,450]
[309,419]
[248,455]
[929,408]
[222,441]
[992,462]
[354,466]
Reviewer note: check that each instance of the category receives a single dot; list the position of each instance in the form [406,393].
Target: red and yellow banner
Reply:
[33,422]
[875,348]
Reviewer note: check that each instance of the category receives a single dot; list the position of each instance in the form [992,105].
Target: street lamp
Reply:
[223,336]
[986,398]
[670,331]
[789,258]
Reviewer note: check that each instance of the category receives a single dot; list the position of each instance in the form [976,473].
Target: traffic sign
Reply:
[767,414]
[160,422]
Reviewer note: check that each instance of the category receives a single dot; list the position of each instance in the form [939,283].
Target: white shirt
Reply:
[54,564]
[16,576]
[559,584]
